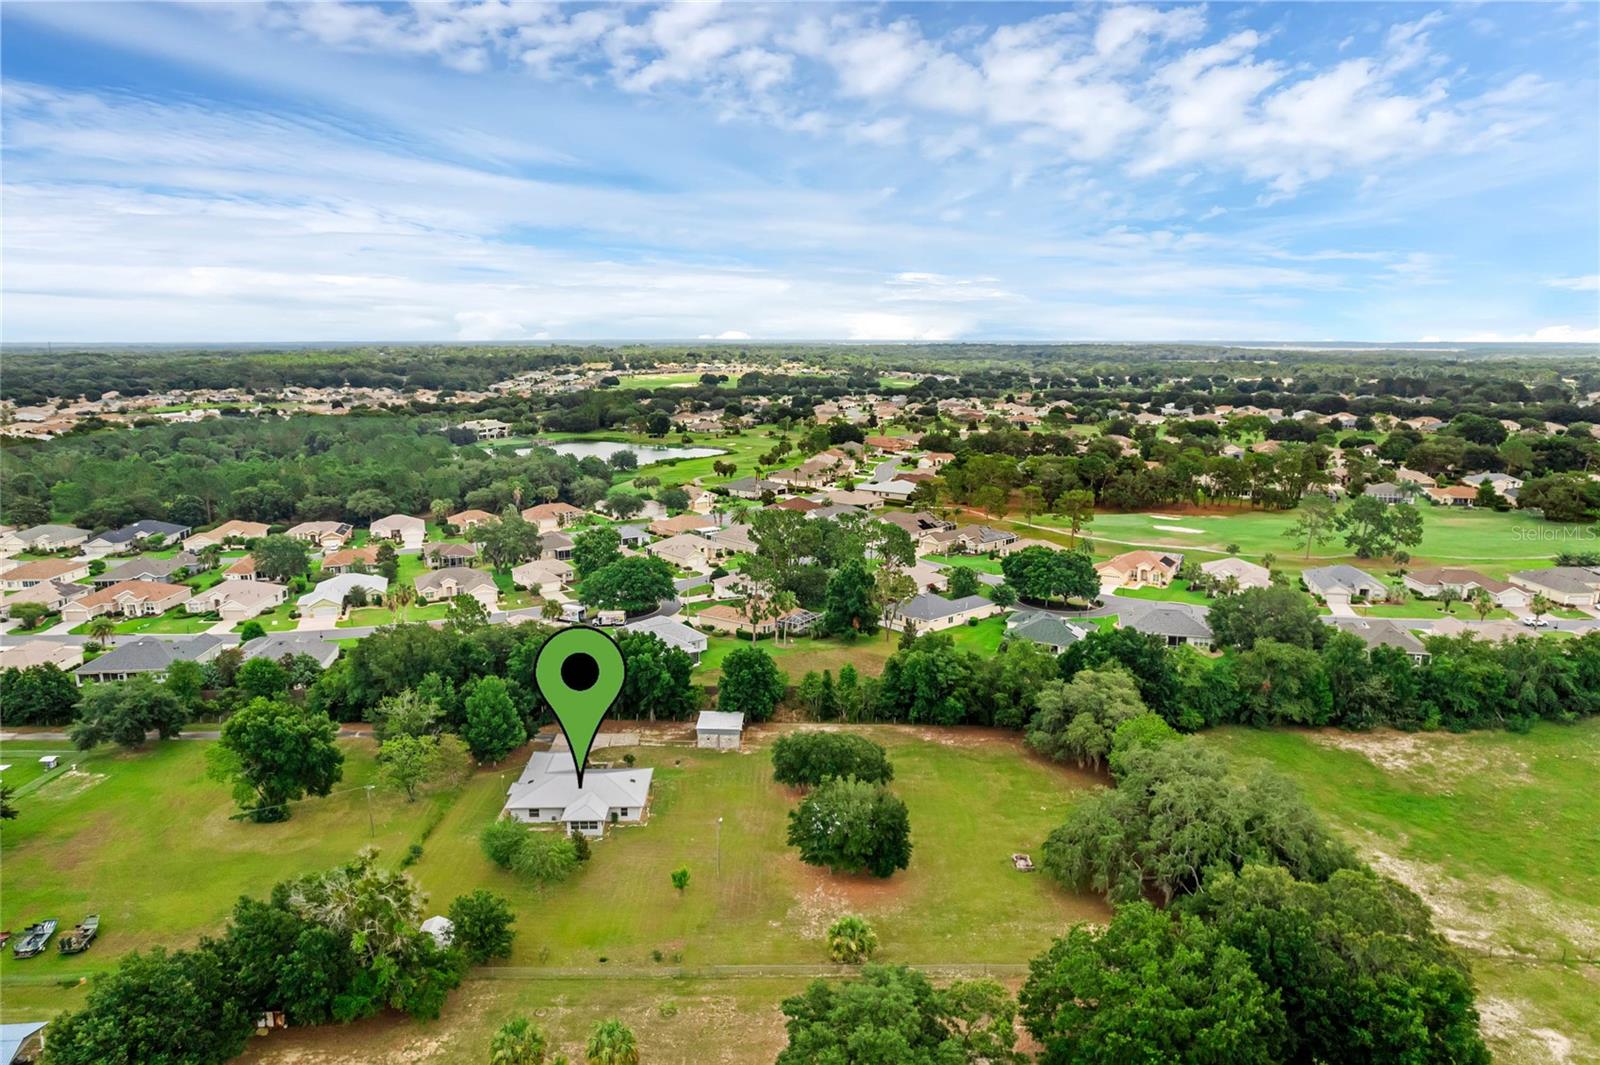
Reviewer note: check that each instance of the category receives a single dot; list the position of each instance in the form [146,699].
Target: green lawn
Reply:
[277,619]
[973,801]
[382,615]
[741,447]
[666,380]
[800,655]
[1176,592]
[147,841]
[981,563]
[975,797]
[1491,542]
[1428,608]
[174,620]
[983,638]
[1498,832]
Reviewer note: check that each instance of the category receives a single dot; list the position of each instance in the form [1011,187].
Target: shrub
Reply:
[806,759]
[851,940]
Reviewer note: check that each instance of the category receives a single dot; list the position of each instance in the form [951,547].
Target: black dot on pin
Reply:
[579,671]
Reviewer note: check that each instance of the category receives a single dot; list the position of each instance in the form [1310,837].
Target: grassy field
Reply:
[741,449]
[1176,592]
[147,841]
[176,620]
[975,796]
[1483,539]
[1499,833]
[1429,608]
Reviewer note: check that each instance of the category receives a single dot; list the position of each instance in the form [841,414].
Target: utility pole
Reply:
[719,850]
[371,828]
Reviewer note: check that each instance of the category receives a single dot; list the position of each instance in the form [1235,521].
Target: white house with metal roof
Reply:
[547,793]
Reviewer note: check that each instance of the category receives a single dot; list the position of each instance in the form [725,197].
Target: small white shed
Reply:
[718,730]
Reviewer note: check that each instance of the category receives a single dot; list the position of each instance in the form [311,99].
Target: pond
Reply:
[648,453]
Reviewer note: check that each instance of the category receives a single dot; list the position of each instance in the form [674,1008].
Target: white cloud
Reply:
[1550,334]
[1586,283]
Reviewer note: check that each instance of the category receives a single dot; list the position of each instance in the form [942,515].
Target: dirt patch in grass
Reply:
[1497,915]
[1506,1022]
[1440,757]
[822,897]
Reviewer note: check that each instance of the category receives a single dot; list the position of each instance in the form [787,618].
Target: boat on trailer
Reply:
[77,941]
[34,938]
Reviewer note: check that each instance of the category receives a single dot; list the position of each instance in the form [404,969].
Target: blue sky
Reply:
[190,172]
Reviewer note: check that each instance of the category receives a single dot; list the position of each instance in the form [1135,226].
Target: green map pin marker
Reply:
[579,672]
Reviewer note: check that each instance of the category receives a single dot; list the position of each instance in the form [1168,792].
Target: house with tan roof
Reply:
[27,574]
[401,529]
[1457,495]
[41,653]
[226,533]
[238,600]
[552,516]
[1139,569]
[347,559]
[544,577]
[443,585]
[327,535]
[243,569]
[1429,582]
[467,519]
[683,523]
[128,599]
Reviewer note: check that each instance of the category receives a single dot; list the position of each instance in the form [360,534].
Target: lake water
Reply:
[648,453]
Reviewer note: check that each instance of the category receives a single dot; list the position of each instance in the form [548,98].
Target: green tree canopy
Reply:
[274,753]
[852,826]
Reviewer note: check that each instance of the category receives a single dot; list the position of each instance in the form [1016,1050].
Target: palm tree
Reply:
[611,1043]
[400,598]
[1482,603]
[1448,597]
[783,602]
[1540,605]
[518,1042]
[102,628]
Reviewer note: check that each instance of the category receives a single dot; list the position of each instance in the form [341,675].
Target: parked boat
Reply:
[77,941]
[34,938]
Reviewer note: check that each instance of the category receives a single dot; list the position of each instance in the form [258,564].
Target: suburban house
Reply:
[243,569]
[893,444]
[853,497]
[487,428]
[552,516]
[931,612]
[1139,569]
[1414,477]
[441,556]
[1503,484]
[1465,582]
[238,600]
[1384,632]
[327,535]
[895,490]
[1175,624]
[1341,584]
[227,532]
[724,617]
[700,500]
[148,656]
[632,535]
[1046,630]
[548,793]
[40,653]
[719,730]
[927,578]
[1244,574]
[985,540]
[1384,492]
[673,633]
[733,539]
[684,523]
[443,585]
[402,529]
[1562,585]
[326,600]
[280,645]
[798,504]
[467,519]
[1457,495]
[119,541]
[42,538]
[52,595]
[349,559]
[751,488]
[150,569]
[690,552]
[28,574]
[545,577]
[129,599]
[555,545]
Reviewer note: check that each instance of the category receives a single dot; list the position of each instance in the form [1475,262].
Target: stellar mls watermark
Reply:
[1556,532]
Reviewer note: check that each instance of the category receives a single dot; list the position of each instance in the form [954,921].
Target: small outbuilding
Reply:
[718,730]
[442,929]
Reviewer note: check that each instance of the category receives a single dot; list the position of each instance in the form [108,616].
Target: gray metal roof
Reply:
[276,645]
[1171,619]
[1342,576]
[930,607]
[1046,629]
[150,654]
